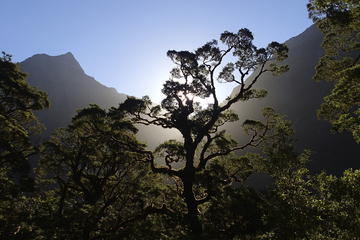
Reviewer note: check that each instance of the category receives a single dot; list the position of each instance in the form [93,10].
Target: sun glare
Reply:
[190,97]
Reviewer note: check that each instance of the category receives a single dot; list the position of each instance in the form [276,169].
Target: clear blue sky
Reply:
[123,43]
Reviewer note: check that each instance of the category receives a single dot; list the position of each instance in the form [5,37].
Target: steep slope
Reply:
[294,94]
[70,89]
[298,96]
[67,86]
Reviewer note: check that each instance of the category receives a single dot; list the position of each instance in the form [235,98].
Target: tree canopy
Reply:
[339,20]
[194,77]
[95,180]
[98,178]
[18,100]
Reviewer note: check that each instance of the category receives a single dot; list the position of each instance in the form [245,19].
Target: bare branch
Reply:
[255,140]
[149,157]
[243,89]
[212,71]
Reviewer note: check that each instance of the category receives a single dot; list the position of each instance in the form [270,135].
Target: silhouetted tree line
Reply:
[94,180]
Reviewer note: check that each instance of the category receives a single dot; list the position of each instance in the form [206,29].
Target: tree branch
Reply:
[150,158]
[253,142]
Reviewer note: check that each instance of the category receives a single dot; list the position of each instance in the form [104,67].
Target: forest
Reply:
[95,180]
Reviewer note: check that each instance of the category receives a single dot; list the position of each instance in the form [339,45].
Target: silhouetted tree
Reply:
[18,100]
[194,77]
[339,20]
[94,180]
[236,209]
[99,181]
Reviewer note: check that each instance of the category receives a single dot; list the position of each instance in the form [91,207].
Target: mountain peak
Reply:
[68,87]
[67,55]
[67,59]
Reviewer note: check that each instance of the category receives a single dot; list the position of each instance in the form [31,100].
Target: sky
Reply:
[123,43]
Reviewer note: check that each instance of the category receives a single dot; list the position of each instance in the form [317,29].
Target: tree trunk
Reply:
[188,178]
[193,220]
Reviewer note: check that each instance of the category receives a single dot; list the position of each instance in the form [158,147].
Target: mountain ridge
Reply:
[66,58]
[69,88]
[296,95]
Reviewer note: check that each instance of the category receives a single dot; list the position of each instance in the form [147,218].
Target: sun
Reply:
[203,102]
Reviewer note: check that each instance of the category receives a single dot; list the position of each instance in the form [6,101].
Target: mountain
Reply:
[296,95]
[70,89]
[67,86]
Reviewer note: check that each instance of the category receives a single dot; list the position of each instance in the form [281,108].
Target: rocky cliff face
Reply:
[298,96]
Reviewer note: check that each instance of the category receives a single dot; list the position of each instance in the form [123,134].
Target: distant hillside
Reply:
[70,89]
[298,96]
